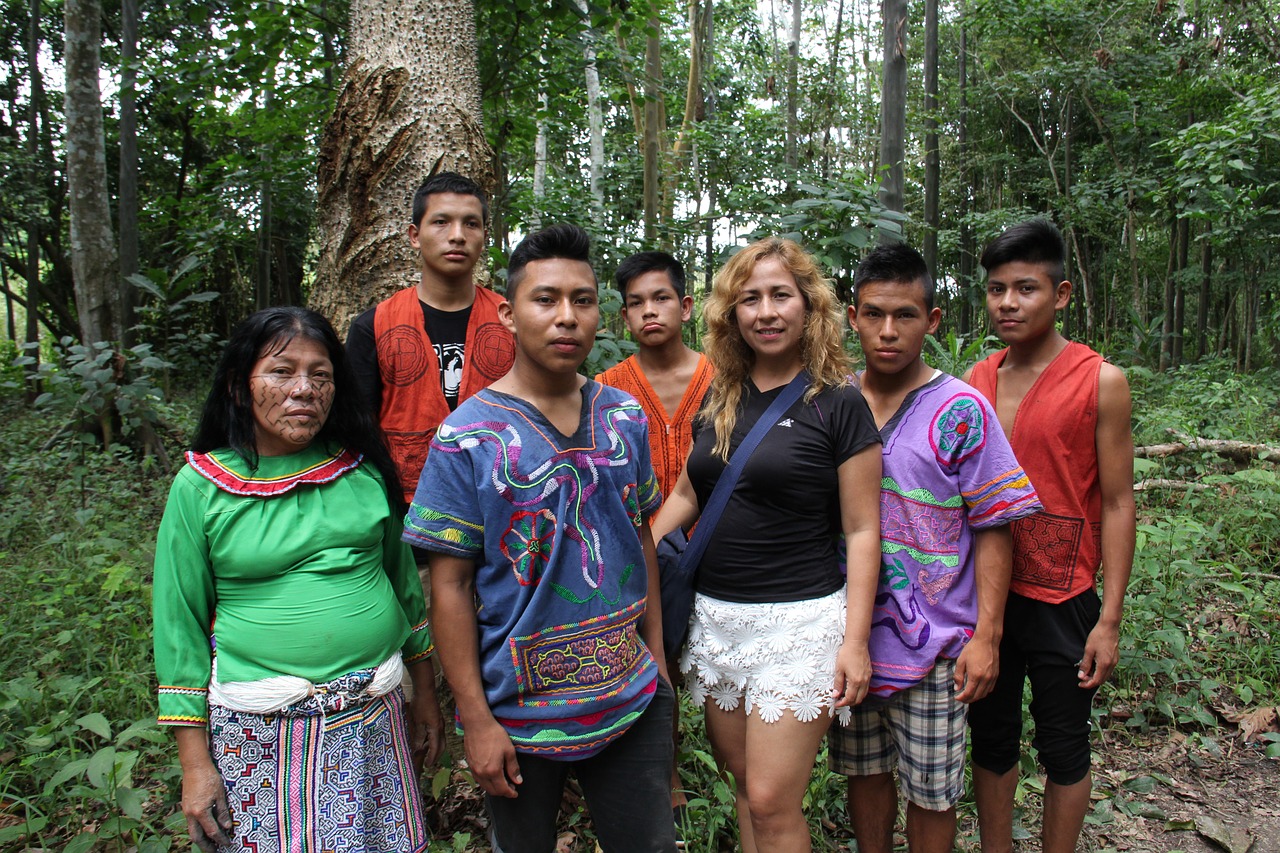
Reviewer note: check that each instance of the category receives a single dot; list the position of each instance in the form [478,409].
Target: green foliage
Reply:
[83,763]
[955,353]
[95,385]
[173,316]
[1198,636]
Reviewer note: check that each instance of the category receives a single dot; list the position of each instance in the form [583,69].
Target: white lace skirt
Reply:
[778,657]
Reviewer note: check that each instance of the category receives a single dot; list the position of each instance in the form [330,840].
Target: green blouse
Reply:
[296,569]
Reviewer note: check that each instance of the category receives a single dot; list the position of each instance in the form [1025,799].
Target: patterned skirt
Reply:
[310,778]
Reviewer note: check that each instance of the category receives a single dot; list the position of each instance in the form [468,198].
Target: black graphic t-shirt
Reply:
[448,333]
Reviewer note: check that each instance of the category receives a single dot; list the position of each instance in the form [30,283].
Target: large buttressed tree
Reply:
[409,106]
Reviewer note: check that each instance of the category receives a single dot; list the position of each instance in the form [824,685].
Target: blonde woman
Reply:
[778,640]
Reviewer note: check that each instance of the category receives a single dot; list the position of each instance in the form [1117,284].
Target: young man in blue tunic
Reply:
[533,504]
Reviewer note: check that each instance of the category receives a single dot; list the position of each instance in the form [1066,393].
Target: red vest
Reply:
[413,403]
[1056,553]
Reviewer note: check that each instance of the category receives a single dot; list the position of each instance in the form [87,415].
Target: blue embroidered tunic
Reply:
[552,524]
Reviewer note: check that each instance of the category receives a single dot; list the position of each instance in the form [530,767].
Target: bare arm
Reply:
[490,753]
[680,509]
[979,663]
[859,484]
[427,730]
[1114,441]
[651,631]
[204,794]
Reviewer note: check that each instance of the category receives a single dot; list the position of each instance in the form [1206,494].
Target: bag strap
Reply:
[719,499]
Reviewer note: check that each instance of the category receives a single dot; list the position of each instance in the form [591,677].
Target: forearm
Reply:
[423,675]
[679,509]
[651,629]
[193,747]
[862,552]
[1119,533]
[453,621]
[993,565]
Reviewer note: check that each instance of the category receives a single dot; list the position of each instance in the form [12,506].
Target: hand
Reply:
[977,669]
[1101,654]
[426,731]
[204,802]
[853,674]
[492,758]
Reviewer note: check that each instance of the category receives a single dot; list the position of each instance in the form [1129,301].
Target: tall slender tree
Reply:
[893,105]
[94,261]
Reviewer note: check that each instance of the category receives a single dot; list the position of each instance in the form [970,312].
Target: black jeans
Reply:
[627,785]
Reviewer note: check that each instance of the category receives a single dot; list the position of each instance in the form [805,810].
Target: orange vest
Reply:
[669,438]
[413,403]
[1056,553]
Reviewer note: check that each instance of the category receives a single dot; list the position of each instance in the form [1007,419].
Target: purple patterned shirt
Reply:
[948,471]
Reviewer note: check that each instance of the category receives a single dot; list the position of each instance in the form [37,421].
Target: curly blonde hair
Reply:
[821,349]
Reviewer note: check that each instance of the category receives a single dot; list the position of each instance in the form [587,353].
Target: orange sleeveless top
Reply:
[413,403]
[1056,553]
[670,437]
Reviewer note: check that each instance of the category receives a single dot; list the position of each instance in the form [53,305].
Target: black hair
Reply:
[897,263]
[557,241]
[227,419]
[1036,241]
[644,262]
[447,182]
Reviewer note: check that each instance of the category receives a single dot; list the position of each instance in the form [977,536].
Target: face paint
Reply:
[292,392]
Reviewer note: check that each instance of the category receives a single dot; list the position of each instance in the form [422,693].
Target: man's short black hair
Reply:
[644,262]
[1036,241]
[897,263]
[557,241]
[447,182]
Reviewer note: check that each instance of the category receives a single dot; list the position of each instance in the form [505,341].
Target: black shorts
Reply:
[1045,643]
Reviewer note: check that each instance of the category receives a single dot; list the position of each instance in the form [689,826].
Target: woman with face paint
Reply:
[287,609]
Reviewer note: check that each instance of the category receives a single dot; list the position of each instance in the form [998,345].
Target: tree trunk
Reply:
[409,107]
[540,158]
[128,201]
[678,163]
[652,142]
[708,55]
[1179,291]
[1166,323]
[93,252]
[1202,304]
[931,164]
[793,89]
[266,215]
[595,119]
[32,332]
[893,104]
[967,248]
[833,93]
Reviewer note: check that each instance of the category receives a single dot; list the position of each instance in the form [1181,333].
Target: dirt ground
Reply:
[1167,792]
[1162,792]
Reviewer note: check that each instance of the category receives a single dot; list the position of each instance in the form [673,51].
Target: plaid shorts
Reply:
[921,730]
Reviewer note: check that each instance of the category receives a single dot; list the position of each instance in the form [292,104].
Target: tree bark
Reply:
[931,160]
[967,248]
[1202,304]
[32,331]
[94,262]
[595,118]
[893,104]
[652,143]
[793,87]
[128,201]
[678,162]
[409,107]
